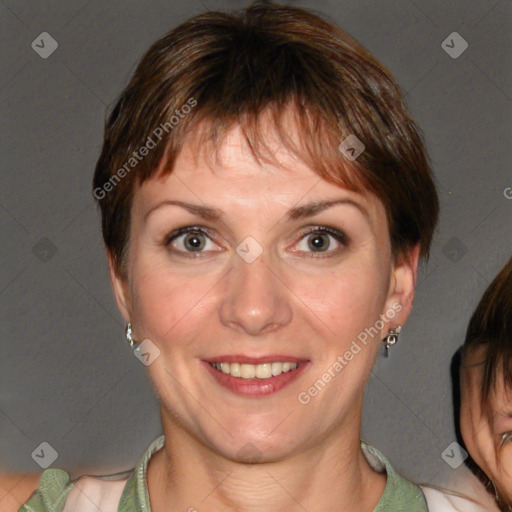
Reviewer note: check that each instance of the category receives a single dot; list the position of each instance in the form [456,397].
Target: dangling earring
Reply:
[128,334]
[391,339]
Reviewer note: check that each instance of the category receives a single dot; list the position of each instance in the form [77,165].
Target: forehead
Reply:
[230,173]
[473,375]
[233,160]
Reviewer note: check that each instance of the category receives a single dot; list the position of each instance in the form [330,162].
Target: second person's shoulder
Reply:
[446,501]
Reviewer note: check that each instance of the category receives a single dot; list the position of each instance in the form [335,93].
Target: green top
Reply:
[54,485]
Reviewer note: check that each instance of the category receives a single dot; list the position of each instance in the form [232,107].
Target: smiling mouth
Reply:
[255,371]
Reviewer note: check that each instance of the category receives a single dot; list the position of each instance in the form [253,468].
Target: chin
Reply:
[253,446]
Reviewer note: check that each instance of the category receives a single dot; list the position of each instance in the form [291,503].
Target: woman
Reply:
[486,389]
[265,200]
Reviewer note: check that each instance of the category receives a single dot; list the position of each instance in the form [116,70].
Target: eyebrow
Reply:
[295,213]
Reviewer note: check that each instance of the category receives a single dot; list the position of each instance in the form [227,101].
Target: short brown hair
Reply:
[491,326]
[231,66]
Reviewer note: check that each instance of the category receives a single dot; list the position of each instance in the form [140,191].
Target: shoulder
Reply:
[458,490]
[91,494]
[51,493]
[56,493]
[399,493]
[126,490]
[444,500]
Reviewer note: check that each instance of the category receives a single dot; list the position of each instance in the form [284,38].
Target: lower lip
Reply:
[256,387]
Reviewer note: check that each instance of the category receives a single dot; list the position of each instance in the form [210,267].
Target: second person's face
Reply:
[487,434]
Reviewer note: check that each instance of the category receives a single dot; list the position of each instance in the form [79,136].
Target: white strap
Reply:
[91,494]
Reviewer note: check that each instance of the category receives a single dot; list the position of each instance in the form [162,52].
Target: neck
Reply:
[187,475]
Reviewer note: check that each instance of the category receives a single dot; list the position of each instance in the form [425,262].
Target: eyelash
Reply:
[339,236]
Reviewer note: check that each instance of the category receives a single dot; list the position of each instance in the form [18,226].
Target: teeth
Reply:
[251,371]
[264,371]
[277,368]
[247,371]
[234,369]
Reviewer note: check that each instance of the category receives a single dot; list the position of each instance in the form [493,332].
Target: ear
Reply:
[402,286]
[121,290]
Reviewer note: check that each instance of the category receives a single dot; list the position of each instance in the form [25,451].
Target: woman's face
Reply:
[488,436]
[260,285]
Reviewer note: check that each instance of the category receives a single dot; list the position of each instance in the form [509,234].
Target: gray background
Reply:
[67,376]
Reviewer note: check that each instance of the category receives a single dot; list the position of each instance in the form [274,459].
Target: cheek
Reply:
[506,462]
[465,418]
[167,302]
[347,301]
[474,431]
[350,314]
[467,430]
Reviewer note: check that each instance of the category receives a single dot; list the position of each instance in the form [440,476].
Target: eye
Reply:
[317,240]
[505,438]
[191,239]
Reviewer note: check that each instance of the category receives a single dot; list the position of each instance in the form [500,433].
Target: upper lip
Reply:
[272,358]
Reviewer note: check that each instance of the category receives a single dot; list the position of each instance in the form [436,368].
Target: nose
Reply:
[256,300]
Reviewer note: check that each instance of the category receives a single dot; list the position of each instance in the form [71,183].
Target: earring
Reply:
[391,338]
[128,334]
